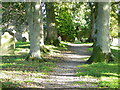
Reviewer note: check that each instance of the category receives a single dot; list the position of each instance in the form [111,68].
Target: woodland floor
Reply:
[64,75]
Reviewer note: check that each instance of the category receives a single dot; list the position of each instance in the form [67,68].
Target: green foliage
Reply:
[114,28]
[73,20]
[64,22]
[56,42]
[81,19]
[13,15]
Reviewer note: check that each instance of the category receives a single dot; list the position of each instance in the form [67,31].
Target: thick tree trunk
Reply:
[101,48]
[51,28]
[33,14]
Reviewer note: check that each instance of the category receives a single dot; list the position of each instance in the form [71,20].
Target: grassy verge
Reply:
[106,73]
[19,68]
[17,72]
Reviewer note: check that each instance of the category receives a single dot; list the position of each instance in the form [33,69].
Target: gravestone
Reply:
[7,44]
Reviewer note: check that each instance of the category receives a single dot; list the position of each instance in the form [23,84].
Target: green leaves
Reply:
[64,22]
[13,13]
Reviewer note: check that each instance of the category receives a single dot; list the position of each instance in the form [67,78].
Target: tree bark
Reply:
[33,17]
[51,27]
[92,22]
[101,48]
[41,29]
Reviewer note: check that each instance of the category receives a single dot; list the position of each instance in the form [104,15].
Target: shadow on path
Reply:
[64,75]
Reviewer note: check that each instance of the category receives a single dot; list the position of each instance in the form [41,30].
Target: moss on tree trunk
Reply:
[99,56]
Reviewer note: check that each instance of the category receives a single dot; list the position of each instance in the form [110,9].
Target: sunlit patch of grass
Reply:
[21,64]
[107,73]
[99,69]
[111,83]
[22,44]
[18,62]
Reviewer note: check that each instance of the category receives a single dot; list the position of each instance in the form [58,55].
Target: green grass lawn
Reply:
[107,73]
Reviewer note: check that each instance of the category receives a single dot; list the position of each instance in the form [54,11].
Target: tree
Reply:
[33,18]
[101,48]
[51,25]
[81,18]
[41,27]
[64,21]
[92,21]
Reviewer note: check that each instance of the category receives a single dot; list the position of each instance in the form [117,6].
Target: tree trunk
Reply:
[41,34]
[41,29]
[33,14]
[51,28]
[92,22]
[101,48]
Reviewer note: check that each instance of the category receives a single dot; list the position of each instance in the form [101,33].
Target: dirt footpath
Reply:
[64,75]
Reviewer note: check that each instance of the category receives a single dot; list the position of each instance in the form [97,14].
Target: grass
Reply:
[17,63]
[106,73]
[10,84]
[17,67]
[20,64]
[23,67]
[115,51]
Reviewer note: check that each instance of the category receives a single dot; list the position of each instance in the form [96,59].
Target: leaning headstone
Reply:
[7,44]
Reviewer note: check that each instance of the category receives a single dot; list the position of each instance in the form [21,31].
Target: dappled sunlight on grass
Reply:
[17,72]
[98,69]
[22,44]
[106,73]
[23,65]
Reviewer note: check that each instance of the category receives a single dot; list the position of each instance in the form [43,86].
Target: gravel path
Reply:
[64,75]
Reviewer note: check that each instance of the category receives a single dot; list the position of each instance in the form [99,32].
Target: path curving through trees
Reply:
[64,75]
